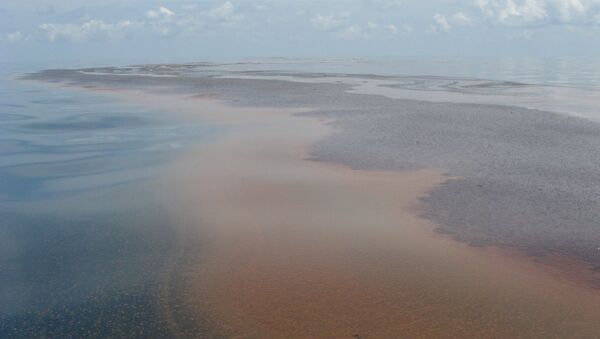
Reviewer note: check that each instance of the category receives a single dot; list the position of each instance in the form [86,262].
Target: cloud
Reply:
[528,13]
[92,29]
[568,8]
[392,28]
[460,19]
[403,29]
[329,22]
[14,37]
[510,12]
[537,12]
[525,12]
[442,23]
[162,13]
[226,12]
[360,19]
[340,25]
[352,32]
[161,22]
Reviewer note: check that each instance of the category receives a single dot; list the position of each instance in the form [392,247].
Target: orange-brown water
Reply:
[300,249]
[310,250]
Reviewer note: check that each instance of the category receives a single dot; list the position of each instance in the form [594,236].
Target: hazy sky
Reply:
[185,29]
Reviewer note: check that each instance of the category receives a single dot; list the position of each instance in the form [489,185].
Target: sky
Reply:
[169,30]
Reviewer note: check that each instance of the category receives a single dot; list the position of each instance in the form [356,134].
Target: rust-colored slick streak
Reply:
[300,249]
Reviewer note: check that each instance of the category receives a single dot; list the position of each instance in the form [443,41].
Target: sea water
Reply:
[84,239]
[83,235]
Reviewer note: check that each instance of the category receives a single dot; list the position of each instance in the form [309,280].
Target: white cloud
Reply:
[161,22]
[226,9]
[329,22]
[393,29]
[14,37]
[440,22]
[92,29]
[161,13]
[370,19]
[511,13]
[352,32]
[443,23]
[342,27]
[403,29]
[568,8]
[460,19]
[537,12]
[526,12]
[226,12]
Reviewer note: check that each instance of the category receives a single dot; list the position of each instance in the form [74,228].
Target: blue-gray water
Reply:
[84,238]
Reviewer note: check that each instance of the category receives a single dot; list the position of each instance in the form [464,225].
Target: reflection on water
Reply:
[83,235]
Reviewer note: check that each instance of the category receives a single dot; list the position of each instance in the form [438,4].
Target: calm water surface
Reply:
[83,236]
